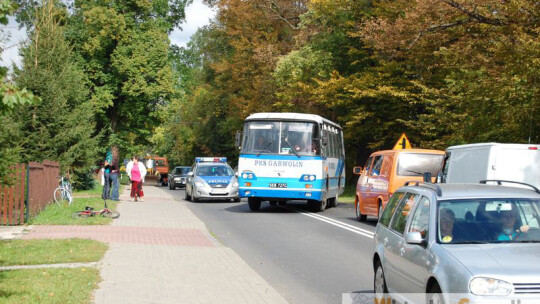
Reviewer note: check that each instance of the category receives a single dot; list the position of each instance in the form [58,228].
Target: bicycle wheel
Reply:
[61,196]
[80,215]
[69,197]
[110,213]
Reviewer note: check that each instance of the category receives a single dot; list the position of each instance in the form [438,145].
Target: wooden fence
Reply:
[12,198]
[31,191]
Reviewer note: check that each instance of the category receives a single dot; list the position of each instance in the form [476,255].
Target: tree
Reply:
[12,97]
[125,50]
[62,126]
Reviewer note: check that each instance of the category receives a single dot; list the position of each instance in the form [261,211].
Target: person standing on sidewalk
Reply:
[136,172]
[115,195]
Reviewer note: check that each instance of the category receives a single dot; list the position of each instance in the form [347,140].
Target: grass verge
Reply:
[35,252]
[59,285]
[61,215]
[94,192]
[348,195]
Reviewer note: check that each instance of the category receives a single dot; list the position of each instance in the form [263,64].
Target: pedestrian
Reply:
[115,195]
[107,181]
[136,172]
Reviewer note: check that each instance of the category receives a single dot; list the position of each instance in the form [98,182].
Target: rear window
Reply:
[416,164]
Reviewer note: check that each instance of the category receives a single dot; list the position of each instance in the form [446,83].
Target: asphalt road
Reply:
[307,257]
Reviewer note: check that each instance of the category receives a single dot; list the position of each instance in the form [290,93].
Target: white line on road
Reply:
[334,222]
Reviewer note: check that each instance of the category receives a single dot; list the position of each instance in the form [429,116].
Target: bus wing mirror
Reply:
[238,139]
[357,170]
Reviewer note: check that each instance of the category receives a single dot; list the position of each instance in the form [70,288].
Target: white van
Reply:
[487,161]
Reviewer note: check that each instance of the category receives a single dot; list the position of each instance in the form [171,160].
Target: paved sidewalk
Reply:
[160,252]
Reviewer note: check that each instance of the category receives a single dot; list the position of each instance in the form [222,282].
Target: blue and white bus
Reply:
[291,156]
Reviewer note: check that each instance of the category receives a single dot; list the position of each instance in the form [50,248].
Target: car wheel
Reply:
[361,217]
[187,197]
[434,295]
[254,204]
[379,282]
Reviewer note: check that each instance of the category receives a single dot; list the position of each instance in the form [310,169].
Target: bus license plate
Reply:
[278,185]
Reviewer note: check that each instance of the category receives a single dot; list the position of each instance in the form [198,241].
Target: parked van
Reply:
[386,171]
[475,162]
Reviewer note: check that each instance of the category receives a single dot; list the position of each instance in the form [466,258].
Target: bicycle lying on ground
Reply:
[89,211]
[64,193]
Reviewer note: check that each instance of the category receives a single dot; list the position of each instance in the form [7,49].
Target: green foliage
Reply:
[60,127]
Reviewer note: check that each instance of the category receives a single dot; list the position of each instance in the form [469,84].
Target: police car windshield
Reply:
[213,170]
[281,137]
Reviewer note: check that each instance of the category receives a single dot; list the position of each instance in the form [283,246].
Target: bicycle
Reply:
[89,211]
[64,193]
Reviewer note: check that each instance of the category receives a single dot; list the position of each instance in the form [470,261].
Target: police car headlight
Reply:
[199,184]
[312,177]
[250,175]
[244,175]
[490,287]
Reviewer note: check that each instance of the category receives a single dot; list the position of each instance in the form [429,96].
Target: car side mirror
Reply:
[414,237]
[357,170]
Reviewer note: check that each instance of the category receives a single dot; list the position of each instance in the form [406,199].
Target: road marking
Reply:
[331,221]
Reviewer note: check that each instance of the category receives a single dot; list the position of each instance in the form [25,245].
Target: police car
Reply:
[211,178]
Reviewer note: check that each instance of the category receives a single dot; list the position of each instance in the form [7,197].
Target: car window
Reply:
[403,212]
[414,164]
[390,207]
[420,219]
[377,164]
[488,220]
[369,162]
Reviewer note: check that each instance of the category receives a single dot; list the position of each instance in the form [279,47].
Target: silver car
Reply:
[211,181]
[450,242]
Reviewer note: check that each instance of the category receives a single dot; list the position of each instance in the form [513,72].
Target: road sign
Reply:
[402,143]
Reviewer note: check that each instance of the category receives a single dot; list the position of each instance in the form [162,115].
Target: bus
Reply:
[291,156]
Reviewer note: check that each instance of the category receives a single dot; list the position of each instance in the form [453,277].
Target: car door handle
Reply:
[402,251]
[385,241]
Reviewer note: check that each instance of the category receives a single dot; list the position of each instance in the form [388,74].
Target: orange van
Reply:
[387,170]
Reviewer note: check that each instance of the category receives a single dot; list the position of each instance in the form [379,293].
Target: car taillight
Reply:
[533,148]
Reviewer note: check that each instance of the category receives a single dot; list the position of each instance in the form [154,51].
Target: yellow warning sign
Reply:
[402,143]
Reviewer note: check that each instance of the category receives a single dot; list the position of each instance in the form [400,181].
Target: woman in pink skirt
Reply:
[136,172]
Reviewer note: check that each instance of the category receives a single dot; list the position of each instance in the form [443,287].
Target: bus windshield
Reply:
[281,137]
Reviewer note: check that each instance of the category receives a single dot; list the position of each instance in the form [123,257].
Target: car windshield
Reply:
[181,171]
[214,170]
[281,137]
[414,164]
[488,221]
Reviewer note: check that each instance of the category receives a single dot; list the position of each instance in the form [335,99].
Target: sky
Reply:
[197,15]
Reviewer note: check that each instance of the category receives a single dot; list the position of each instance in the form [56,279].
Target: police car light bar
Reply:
[210,159]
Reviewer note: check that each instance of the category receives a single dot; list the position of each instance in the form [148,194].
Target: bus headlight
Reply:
[307,177]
